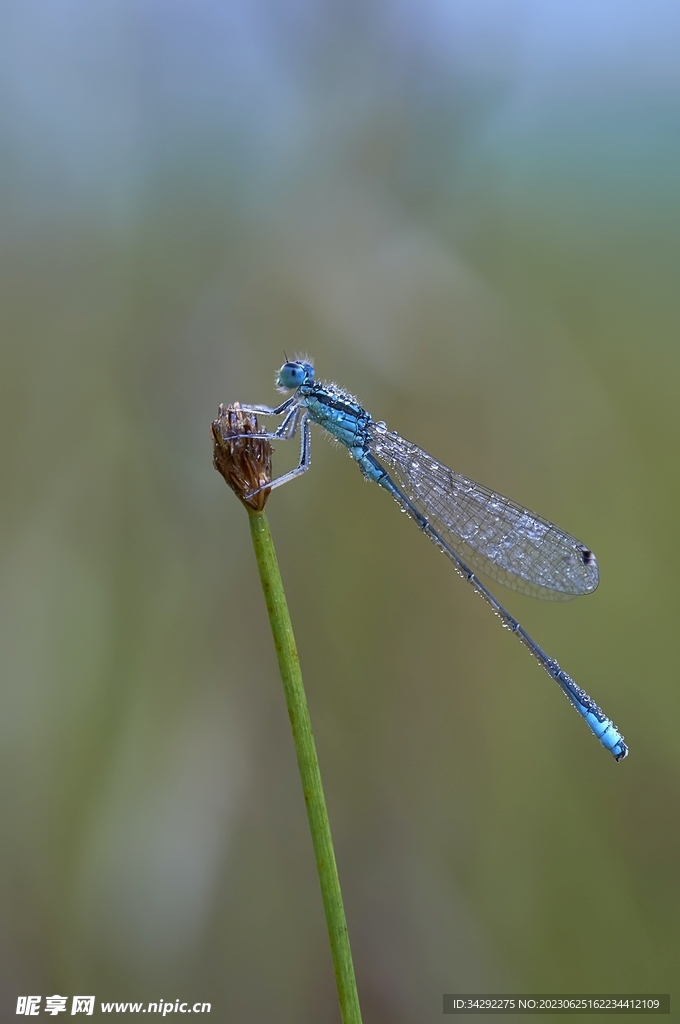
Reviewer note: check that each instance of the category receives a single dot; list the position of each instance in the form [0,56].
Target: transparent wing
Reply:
[492,534]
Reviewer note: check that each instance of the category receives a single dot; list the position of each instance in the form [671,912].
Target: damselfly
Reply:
[479,530]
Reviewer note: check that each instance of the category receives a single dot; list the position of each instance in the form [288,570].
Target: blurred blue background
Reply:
[468,214]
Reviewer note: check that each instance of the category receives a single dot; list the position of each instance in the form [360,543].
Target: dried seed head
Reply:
[245,463]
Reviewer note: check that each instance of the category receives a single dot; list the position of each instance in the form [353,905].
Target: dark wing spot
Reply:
[587,556]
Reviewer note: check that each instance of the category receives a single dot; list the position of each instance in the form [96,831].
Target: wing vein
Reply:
[491,533]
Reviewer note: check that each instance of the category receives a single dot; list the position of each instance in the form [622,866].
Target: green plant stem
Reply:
[289,666]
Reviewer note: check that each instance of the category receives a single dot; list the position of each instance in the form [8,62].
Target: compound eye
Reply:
[291,375]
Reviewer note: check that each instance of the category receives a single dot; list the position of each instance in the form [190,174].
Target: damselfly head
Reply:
[294,373]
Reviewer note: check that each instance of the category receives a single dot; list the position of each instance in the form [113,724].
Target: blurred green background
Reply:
[468,214]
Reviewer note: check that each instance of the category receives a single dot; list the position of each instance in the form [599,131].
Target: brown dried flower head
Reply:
[244,462]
